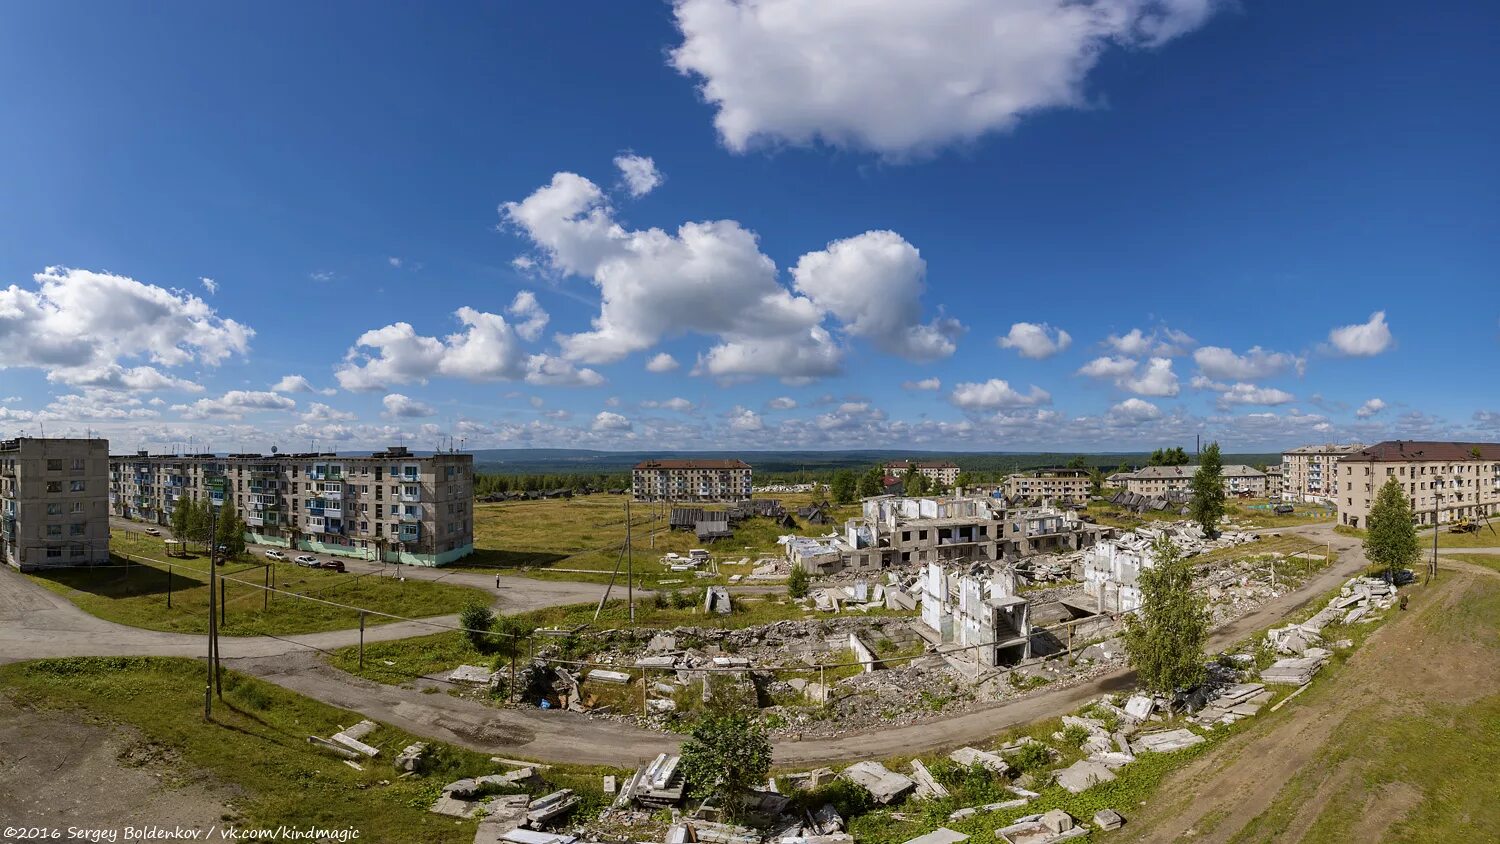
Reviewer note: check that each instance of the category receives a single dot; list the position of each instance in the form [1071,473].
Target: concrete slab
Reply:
[1083,775]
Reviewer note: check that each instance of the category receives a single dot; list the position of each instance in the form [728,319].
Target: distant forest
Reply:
[537,470]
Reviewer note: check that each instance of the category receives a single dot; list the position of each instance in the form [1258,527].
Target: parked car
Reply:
[273,554]
[307,560]
[153,532]
[334,565]
[1285,509]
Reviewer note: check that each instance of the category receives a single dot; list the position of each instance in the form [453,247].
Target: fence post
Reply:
[223,602]
[169,585]
[514,646]
[823,681]
[645,691]
[265,603]
[361,640]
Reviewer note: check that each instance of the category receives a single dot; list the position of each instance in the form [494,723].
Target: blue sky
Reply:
[446,224]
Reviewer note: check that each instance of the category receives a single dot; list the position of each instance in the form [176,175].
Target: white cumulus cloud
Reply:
[398,406]
[996,393]
[1037,341]
[1135,410]
[82,328]
[639,173]
[1257,363]
[607,421]
[1365,339]
[900,77]
[925,384]
[531,320]
[1370,408]
[235,403]
[662,362]
[1155,379]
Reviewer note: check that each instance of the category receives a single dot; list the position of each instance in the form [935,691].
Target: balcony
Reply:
[410,518]
[409,532]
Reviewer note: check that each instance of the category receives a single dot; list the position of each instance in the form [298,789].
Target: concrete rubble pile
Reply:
[1361,599]
[1232,703]
[1046,828]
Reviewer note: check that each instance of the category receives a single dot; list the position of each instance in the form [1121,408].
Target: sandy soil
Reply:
[59,770]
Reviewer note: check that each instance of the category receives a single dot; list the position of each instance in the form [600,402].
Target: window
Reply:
[78,464]
[54,552]
[75,486]
[54,509]
[54,486]
[54,465]
[54,530]
[76,529]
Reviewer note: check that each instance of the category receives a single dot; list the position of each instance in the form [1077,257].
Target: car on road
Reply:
[332,565]
[273,554]
[153,532]
[307,560]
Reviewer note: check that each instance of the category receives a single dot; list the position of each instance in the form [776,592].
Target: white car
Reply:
[275,555]
[307,560]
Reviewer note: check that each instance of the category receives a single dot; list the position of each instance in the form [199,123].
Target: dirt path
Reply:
[1249,787]
[58,770]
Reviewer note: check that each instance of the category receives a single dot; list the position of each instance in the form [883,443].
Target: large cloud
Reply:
[235,404]
[1257,363]
[1036,341]
[79,325]
[711,278]
[901,77]
[996,393]
[486,350]
[873,283]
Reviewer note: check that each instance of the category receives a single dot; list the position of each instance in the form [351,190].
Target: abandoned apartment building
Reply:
[897,531]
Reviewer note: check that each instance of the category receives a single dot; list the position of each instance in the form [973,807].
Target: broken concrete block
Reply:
[1139,707]
[1083,775]
[1107,819]
[661,642]
[1112,760]
[611,784]
[927,784]
[470,674]
[826,820]
[969,757]
[600,675]
[941,835]
[410,758]
[556,804]
[1056,820]
[883,784]
[1166,741]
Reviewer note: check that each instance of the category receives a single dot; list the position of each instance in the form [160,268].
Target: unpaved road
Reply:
[1409,665]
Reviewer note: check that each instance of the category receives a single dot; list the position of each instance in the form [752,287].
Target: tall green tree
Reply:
[1156,459]
[1078,462]
[726,755]
[1165,639]
[1208,490]
[872,482]
[1096,481]
[843,487]
[1390,536]
[230,530]
[915,482]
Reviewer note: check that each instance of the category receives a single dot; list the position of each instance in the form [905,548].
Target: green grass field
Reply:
[257,747]
[135,592]
[1488,536]
[1242,511]
[580,538]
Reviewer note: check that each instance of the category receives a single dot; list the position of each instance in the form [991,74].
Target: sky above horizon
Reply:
[1064,225]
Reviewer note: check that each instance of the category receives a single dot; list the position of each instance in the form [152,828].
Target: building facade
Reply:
[690,480]
[941,471]
[1240,481]
[54,508]
[1309,473]
[391,505]
[1061,485]
[1443,481]
[1273,481]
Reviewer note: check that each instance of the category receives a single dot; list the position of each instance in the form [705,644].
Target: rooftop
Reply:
[1230,470]
[1402,451]
[692,464]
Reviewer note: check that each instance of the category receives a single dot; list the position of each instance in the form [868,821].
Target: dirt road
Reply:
[1302,770]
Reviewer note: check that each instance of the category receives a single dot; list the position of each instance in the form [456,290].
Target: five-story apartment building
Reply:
[389,505]
[1310,473]
[1443,481]
[53,506]
[691,480]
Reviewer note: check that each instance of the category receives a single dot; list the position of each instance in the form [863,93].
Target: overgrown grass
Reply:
[584,534]
[1488,536]
[257,746]
[135,592]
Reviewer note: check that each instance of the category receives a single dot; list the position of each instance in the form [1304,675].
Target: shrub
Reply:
[798,584]
[477,620]
[1031,757]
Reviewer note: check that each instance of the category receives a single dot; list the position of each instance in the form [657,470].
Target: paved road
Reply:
[34,622]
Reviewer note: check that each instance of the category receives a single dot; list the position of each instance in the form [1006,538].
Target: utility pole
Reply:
[214,484]
[629,566]
[1432,567]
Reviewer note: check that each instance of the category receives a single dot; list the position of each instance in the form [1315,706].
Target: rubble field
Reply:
[838,670]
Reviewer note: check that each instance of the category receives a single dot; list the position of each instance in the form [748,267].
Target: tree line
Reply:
[193,521]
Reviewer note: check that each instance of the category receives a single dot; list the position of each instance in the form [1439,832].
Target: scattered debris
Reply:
[1107,819]
[1083,775]
[883,784]
[1165,741]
